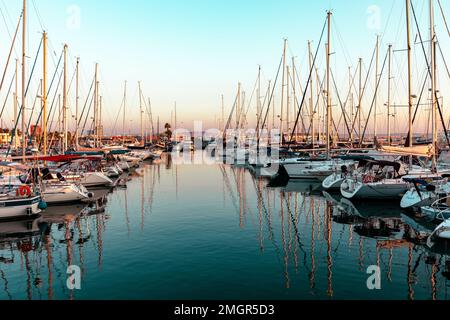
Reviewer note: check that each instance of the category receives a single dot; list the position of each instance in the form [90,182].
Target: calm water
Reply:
[215,232]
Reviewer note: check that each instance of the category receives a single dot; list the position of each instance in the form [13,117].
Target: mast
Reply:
[352,111]
[359,105]
[311,102]
[77,99]
[258,100]
[100,126]
[389,96]
[238,109]
[44,93]
[410,97]
[24,42]
[65,101]
[294,93]
[328,86]
[96,106]
[433,86]
[124,112]
[223,114]
[283,84]
[376,91]
[157,128]
[151,120]
[288,100]
[142,114]
[16,97]
[175,114]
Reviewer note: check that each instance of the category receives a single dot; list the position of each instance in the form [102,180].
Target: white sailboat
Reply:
[378,180]
[424,193]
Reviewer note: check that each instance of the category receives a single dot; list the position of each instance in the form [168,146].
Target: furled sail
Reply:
[419,151]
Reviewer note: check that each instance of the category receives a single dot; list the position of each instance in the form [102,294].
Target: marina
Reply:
[292,244]
[322,174]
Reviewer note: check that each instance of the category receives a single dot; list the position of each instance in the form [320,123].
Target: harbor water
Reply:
[213,231]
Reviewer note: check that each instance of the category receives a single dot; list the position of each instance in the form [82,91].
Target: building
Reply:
[5,138]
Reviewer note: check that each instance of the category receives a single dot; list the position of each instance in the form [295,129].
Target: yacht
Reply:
[313,169]
[20,203]
[378,180]
[423,192]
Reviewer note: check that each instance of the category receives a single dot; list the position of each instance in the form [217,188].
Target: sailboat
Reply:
[425,192]
[22,202]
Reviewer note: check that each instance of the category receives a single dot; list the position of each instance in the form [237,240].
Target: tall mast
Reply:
[65,101]
[100,114]
[283,84]
[44,93]
[352,111]
[151,120]
[294,94]
[328,87]
[24,42]
[141,113]
[258,100]
[410,96]
[157,127]
[16,97]
[389,95]
[288,101]
[238,109]
[375,132]
[59,120]
[360,104]
[175,113]
[311,101]
[77,99]
[223,114]
[96,106]
[124,112]
[433,85]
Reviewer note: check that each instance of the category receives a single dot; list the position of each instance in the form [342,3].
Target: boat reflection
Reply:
[301,223]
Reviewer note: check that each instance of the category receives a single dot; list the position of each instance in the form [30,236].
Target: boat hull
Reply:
[333,182]
[65,195]
[378,190]
[19,208]
[412,199]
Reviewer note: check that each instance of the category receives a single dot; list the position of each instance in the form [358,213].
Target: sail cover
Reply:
[418,151]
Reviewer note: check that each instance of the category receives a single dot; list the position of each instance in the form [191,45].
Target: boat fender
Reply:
[42,205]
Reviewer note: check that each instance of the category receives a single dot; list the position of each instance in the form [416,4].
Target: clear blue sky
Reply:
[192,51]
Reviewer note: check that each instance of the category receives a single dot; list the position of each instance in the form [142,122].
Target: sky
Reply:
[193,51]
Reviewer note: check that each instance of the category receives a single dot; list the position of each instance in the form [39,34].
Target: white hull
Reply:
[387,189]
[123,165]
[90,179]
[412,199]
[60,194]
[442,231]
[264,172]
[333,182]
[15,209]
[314,170]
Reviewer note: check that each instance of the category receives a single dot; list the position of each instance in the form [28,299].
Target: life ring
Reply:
[368,179]
[23,191]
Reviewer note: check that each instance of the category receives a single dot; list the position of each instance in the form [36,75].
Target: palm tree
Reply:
[168,132]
